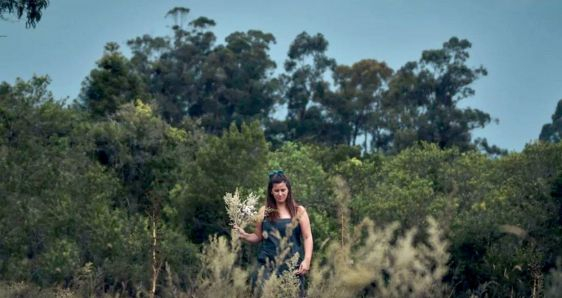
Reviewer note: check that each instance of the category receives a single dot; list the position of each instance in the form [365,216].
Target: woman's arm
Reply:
[304,222]
[256,236]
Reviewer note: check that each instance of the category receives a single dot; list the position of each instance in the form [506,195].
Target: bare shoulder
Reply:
[301,210]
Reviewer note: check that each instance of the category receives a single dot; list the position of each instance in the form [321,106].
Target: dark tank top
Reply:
[270,243]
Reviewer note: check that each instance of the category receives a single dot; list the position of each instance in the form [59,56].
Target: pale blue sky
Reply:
[518,41]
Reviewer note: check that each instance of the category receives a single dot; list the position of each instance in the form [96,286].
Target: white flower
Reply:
[241,213]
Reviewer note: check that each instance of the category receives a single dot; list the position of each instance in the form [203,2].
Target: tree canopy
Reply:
[423,97]
[552,132]
[31,10]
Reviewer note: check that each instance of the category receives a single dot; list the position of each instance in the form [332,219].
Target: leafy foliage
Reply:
[552,132]
[31,9]
[357,104]
[423,96]
[235,160]
[110,85]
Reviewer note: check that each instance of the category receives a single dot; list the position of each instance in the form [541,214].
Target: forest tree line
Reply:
[156,139]
[188,75]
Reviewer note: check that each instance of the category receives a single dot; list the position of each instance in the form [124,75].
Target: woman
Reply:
[286,217]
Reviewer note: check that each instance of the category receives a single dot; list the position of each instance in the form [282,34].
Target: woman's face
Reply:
[280,192]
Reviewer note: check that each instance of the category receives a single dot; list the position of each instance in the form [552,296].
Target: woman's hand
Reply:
[241,233]
[304,222]
[304,267]
[252,238]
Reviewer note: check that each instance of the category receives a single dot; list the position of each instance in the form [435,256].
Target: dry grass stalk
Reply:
[343,197]
[220,276]
[374,266]
[554,282]
[374,263]
[284,285]
[156,258]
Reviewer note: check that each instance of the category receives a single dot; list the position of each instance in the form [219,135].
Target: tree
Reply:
[172,66]
[305,85]
[422,101]
[178,71]
[32,9]
[144,151]
[111,84]
[189,76]
[552,132]
[236,82]
[356,104]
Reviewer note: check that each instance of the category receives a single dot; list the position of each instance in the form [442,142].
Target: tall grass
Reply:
[375,262]
[378,263]
[554,282]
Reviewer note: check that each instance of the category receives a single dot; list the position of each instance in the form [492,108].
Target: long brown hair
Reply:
[271,204]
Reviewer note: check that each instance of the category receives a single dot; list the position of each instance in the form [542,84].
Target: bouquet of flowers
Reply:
[241,212]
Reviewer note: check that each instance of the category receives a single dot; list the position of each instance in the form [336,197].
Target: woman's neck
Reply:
[283,211]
